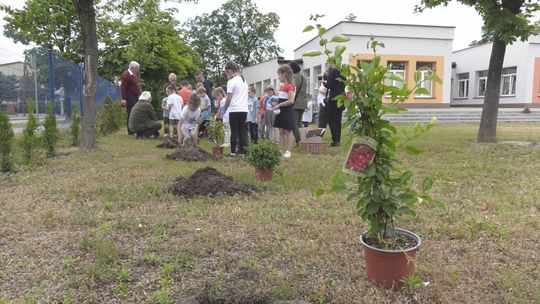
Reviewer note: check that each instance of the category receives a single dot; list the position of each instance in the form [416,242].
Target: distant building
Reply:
[13,68]
[427,49]
[520,80]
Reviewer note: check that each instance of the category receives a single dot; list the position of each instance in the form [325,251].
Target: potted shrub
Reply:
[265,157]
[215,134]
[383,192]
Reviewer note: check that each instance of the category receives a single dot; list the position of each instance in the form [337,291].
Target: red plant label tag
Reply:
[361,155]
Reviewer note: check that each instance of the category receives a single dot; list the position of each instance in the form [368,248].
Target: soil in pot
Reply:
[189,153]
[209,182]
[169,143]
[217,151]
[387,267]
[264,174]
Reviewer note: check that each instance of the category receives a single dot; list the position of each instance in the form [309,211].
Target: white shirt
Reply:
[176,101]
[239,89]
[307,116]
[188,118]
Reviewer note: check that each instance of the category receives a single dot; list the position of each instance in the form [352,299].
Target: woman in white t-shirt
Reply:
[237,107]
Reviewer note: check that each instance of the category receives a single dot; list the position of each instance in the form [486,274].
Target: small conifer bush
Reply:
[50,133]
[29,139]
[75,129]
[6,141]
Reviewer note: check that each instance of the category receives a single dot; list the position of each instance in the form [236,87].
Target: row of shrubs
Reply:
[111,117]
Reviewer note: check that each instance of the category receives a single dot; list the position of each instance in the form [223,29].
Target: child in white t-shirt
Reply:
[189,120]
[307,116]
[174,105]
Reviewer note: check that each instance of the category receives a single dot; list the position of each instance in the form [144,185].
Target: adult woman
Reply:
[237,107]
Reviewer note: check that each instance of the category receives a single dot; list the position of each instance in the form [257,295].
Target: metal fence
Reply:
[46,78]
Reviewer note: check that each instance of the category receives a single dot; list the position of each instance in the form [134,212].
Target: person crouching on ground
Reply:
[206,110]
[189,119]
[143,119]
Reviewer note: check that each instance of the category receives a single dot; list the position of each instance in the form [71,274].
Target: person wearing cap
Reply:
[143,119]
[300,99]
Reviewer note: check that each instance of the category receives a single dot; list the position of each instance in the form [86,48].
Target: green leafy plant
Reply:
[50,133]
[384,192]
[265,155]
[29,139]
[6,141]
[75,128]
[110,117]
[215,132]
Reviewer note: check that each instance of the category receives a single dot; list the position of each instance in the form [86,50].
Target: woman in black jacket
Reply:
[335,87]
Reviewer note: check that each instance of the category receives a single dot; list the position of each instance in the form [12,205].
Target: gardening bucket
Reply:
[386,268]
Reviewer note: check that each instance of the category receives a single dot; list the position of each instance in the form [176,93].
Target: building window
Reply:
[508,81]
[425,69]
[266,83]
[307,73]
[396,68]
[481,83]
[463,85]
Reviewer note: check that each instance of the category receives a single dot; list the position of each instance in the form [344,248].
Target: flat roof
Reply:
[377,23]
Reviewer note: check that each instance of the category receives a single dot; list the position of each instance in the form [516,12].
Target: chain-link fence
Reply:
[45,78]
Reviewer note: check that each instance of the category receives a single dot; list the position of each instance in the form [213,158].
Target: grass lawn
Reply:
[100,227]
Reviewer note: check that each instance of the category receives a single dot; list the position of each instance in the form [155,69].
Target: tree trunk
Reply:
[488,122]
[87,16]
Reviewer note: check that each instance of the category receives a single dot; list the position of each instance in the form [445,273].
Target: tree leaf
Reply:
[312,53]
[427,184]
[412,150]
[308,28]
[340,39]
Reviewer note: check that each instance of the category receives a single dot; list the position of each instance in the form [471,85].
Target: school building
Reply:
[427,49]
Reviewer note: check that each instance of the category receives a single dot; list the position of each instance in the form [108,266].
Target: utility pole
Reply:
[34,70]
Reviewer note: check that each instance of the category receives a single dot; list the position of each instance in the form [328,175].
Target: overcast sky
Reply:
[294,16]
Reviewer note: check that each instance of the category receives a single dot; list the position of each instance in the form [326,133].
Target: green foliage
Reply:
[215,132]
[50,133]
[150,31]
[6,141]
[75,128]
[236,31]
[265,155]
[507,20]
[8,87]
[29,138]
[385,191]
[111,117]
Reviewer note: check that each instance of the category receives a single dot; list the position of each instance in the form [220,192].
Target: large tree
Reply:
[87,16]
[236,31]
[505,21]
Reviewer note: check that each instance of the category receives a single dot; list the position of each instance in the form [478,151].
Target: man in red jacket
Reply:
[131,89]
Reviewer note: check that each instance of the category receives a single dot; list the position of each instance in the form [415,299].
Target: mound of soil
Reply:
[209,182]
[169,143]
[190,153]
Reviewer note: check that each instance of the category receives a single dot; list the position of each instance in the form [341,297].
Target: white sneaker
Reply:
[225,145]
[287,154]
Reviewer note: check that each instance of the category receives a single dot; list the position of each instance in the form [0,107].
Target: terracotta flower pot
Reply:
[386,268]
[264,174]
[217,151]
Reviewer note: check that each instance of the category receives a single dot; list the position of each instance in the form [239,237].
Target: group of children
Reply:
[186,117]
[269,117]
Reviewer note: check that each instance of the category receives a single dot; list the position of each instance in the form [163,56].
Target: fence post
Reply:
[51,75]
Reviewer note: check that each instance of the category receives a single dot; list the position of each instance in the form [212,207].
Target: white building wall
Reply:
[412,40]
[257,74]
[476,59]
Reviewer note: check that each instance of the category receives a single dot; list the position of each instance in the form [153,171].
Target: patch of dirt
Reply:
[187,153]
[169,143]
[209,182]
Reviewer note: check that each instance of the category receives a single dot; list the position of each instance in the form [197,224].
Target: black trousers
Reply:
[334,120]
[253,132]
[322,118]
[130,103]
[237,120]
